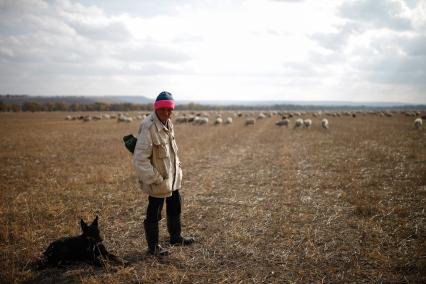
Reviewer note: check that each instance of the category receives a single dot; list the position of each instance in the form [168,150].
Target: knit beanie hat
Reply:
[164,100]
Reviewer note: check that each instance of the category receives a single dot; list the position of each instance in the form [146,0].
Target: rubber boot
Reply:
[174,228]
[151,234]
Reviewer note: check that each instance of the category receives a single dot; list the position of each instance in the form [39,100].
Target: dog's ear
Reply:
[95,222]
[83,225]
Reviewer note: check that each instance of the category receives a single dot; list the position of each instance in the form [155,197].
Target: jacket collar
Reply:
[159,124]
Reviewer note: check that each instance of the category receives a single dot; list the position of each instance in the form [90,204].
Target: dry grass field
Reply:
[266,204]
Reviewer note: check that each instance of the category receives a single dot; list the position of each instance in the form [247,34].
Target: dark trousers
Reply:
[155,206]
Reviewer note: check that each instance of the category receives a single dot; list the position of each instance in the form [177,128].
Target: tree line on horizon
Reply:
[74,106]
[31,106]
[71,107]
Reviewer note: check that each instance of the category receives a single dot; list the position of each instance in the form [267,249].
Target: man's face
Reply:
[164,114]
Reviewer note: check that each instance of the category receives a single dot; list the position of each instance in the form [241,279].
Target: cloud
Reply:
[338,39]
[396,60]
[66,37]
[288,1]
[274,48]
[378,14]
[91,22]
[377,42]
[414,45]
[152,52]
[110,31]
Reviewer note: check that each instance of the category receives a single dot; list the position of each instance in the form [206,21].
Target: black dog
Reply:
[87,247]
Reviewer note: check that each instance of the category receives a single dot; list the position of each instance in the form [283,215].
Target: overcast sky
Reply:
[345,50]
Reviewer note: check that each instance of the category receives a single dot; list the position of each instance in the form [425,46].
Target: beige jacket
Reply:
[155,158]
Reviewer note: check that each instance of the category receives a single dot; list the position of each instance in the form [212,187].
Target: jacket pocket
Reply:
[161,150]
[161,188]
[160,158]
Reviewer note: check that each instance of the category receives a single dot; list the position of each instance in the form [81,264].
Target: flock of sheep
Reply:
[218,118]
[120,117]
[251,118]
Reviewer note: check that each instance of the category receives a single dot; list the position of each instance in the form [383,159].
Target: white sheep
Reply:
[218,121]
[418,123]
[298,123]
[307,123]
[261,116]
[181,119]
[123,118]
[228,120]
[282,122]
[324,123]
[198,120]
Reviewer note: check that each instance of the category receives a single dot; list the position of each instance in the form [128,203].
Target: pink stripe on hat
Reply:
[164,104]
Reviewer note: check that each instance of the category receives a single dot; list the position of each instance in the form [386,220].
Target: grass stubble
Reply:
[265,204]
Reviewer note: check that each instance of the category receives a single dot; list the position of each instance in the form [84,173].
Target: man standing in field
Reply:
[160,174]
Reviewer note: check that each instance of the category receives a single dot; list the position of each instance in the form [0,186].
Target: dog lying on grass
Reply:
[86,247]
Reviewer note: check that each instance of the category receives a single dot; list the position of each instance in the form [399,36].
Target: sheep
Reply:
[324,123]
[228,120]
[218,121]
[249,121]
[181,119]
[282,122]
[191,118]
[307,123]
[68,117]
[200,120]
[418,123]
[261,116]
[298,123]
[124,118]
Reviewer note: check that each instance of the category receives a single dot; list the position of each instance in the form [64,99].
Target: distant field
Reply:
[266,204]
